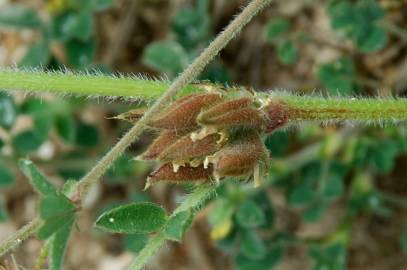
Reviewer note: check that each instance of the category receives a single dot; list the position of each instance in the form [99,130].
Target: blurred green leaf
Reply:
[66,127]
[135,242]
[19,16]
[383,155]
[275,28]
[58,246]
[314,212]
[252,246]
[331,257]
[222,211]
[133,218]
[72,25]
[26,142]
[177,225]
[192,25]
[334,187]
[273,257]
[80,53]
[359,21]
[287,52]
[3,213]
[37,55]
[6,176]
[301,195]
[8,111]
[37,179]
[99,5]
[338,77]
[249,215]
[87,135]
[166,56]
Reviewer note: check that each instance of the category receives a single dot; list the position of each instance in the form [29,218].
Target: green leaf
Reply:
[87,135]
[72,25]
[80,53]
[314,213]
[374,40]
[249,215]
[165,56]
[301,195]
[43,124]
[252,246]
[334,187]
[26,142]
[192,26]
[6,176]
[177,225]
[66,127]
[222,211]
[135,242]
[55,205]
[133,218]
[58,246]
[8,111]
[287,52]
[383,155]
[57,211]
[99,5]
[3,213]
[338,77]
[18,16]
[273,257]
[37,179]
[53,225]
[37,55]
[275,28]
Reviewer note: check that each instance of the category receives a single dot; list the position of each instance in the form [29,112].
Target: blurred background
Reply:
[335,197]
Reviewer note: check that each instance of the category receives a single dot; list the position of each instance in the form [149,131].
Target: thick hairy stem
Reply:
[191,202]
[20,236]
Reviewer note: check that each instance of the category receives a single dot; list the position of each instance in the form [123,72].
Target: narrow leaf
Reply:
[58,246]
[37,179]
[178,225]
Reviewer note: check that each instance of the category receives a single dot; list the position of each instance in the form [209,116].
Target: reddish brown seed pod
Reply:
[163,141]
[246,117]
[185,149]
[182,115]
[240,157]
[184,174]
[276,115]
[224,107]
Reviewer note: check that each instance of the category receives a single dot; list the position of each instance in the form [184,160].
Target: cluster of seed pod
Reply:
[208,136]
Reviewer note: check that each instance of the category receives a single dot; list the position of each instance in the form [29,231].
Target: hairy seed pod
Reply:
[240,157]
[246,117]
[184,149]
[163,141]
[276,115]
[184,174]
[182,115]
[224,107]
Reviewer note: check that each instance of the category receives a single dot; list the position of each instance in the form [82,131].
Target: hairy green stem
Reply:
[22,234]
[82,84]
[338,109]
[191,202]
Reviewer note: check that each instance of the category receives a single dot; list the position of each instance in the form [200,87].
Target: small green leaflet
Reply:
[133,218]
[37,179]
[56,211]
